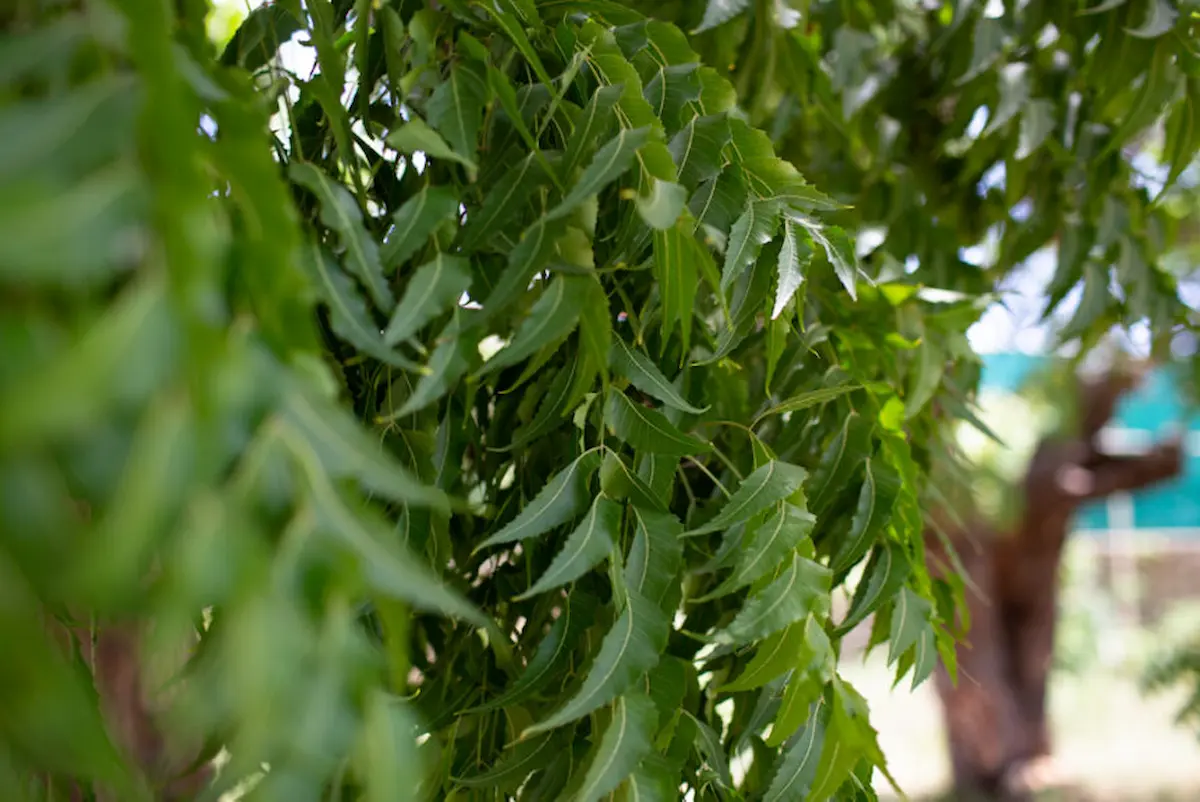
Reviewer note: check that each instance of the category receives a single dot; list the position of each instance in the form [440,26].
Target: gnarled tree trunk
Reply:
[996,713]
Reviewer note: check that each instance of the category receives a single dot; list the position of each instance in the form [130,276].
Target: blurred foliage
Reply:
[245,319]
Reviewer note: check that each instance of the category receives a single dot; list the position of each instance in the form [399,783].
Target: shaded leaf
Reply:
[797,768]
[414,221]
[886,572]
[767,485]
[512,769]
[809,399]
[675,271]
[656,555]
[626,740]
[647,429]
[766,546]
[876,499]
[610,162]
[434,288]
[552,318]
[800,589]
[755,228]
[596,118]
[839,462]
[562,499]
[645,375]
[415,136]
[774,656]
[591,542]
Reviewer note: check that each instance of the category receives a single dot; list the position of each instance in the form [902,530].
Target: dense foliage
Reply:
[504,421]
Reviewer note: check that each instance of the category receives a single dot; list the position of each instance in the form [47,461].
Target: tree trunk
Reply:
[995,716]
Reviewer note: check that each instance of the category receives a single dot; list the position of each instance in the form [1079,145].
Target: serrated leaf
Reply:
[448,363]
[610,162]
[675,271]
[1160,18]
[630,649]
[587,546]
[414,221]
[562,499]
[512,769]
[661,208]
[670,90]
[910,617]
[348,314]
[886,572]
[626,740]
[596,118]
[552,409]
[648,430]
[340,212]
[435,287]
[552,318]
[455,108]
[718,202]
[767,485]
[794,257]
[775,655]
[697,148]
[385,568]
[346,450]
[645,375]
[708,744]
[656,555]
[766,546]
[755,228]
[552,652]
[415,135]
[800,589]
[654,780]
[718,12]
[814,668]
[797,768]
[526,259]
[838,249]
[504,201]
[809,399]
[838,463]
[615,474]
[876,499]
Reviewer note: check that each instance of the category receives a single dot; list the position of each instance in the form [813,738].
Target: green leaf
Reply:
[886,572]
[809,399]
[775,655]
[455,108]
[697,148]
[435,287]
[766,546]
[524,261]
[504,201]
[552,318]
[662,207]
[595,326]
[348,314]
[718,12]
[388,752]
[708,744]
[416,136]
[1092,304]
[800,589]
[1160,19]
[654,780]
[648,430]
[414,221]
[675,271]
[1013,82]
[656,555]
[596,118]
[670,91]
[910,617]
[814,668]
[1183,132]
[630,649]
[610,162]
[838,464]
[767,485]
[340,212]
[258,38]
[448,363]
[346,450]
[525,758]
[591,542]
[552,652]
[562,499]
[838,249]
[645,375]
[876,499]
[794,257]
[1037,123]
[755,228]
[797,768]
[926,379]
[627,739]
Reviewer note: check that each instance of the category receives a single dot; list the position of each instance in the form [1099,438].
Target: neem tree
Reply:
[505,425]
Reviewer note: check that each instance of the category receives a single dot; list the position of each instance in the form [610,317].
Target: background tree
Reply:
[506,433]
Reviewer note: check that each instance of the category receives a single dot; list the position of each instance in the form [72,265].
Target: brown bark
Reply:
[996,714]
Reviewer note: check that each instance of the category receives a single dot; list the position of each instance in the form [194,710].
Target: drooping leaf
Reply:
[645,375]
[448,363]
[551,319]
[661,208]
[610,162]
[755,228]
[414,221]
[718,12]
[595,119]
[800,589]
[434,288]
[627,739]
[794,256]
[809,399]
[774,656]
[886,572]
[630,649]
[656,555]
[647,429]
[797,768]
[525,758]
[675,270]
[838,463]
[415,136]
[591,542]
[876,499]
[766,546]
[910,618]
[340,212]
[767,485]
[563,498]
[504,201]
[839,250]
